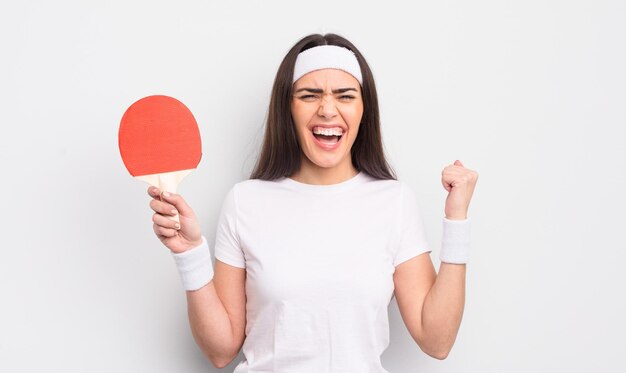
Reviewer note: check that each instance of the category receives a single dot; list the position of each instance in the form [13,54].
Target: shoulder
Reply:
[394,191]
[254,191]
[384,185]
[255,186]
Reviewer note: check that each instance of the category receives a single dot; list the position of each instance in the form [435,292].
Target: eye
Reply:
[308,97]
[346,98]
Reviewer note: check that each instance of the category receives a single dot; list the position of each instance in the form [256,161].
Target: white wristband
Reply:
[195,266]
[455,243]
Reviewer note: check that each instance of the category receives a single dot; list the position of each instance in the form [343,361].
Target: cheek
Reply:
[302,133]
[353,115]
[297,120]
[302,116]
[299,114]
[300,127]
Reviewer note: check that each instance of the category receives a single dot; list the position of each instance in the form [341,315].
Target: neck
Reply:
[310,173]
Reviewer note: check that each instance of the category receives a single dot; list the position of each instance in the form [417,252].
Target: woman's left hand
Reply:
[459,182]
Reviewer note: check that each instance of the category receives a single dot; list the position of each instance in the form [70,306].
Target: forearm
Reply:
[210,325]
[443,310]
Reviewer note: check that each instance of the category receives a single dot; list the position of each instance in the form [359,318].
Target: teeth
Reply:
[328,131]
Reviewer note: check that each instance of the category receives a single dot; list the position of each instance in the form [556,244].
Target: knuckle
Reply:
[163,231]
[169,223]
[155,205]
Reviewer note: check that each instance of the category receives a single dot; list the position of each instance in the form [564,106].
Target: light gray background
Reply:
[529,94]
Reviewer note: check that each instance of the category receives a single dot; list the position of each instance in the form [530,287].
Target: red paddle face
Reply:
[158,134]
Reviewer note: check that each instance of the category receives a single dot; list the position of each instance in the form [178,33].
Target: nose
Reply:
[327,107]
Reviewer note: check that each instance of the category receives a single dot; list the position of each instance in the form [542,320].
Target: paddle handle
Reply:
[166,182]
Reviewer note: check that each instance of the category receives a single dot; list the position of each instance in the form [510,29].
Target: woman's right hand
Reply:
[178,237]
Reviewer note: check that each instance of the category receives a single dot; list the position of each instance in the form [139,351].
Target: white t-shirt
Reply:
[319,261]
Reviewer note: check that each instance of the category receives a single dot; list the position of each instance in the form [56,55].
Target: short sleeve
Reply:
[227,247]
[412,237]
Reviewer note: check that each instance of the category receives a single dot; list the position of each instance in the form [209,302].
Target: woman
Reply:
[311,249]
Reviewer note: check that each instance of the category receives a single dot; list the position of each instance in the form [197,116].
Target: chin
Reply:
[325,159]
[326,163]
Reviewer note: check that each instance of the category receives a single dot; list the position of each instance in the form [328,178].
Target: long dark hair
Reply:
[281,154]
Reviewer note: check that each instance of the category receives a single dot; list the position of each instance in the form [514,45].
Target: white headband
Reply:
[327,57]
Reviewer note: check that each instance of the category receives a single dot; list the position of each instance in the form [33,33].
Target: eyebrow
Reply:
[318,90]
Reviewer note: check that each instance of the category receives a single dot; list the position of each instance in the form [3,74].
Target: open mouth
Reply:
[328,136]
[330,139]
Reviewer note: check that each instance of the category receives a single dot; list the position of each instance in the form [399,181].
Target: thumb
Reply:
[175,199]
[458,163]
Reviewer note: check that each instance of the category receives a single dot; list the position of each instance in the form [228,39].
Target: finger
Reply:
[458,163]
[451,168]
[455,171]
[163,208]
[164,232]
[178,202]
[154,192]
[155,228]
[164,222]
[445,182]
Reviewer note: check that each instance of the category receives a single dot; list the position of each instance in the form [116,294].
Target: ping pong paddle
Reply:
[160,142]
